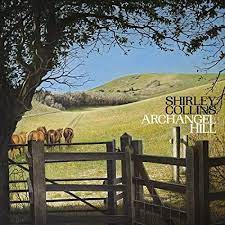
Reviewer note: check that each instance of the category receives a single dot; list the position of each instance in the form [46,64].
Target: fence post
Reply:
[36,150]
[176,153]
[203,148]
[192,186]
[127,177]
[30,181]
[184,142]
[138,188]
[111,175]
[184,145]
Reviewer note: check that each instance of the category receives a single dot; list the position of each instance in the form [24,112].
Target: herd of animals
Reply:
[51,137]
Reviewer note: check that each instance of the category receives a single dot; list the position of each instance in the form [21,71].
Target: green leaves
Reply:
[40,37]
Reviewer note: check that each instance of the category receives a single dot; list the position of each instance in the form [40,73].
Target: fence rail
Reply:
[115,219]
[216,196]
[178,188]
[89,156]
[161,160]
[83,187]
[64,144]
[78,143]
[216,161]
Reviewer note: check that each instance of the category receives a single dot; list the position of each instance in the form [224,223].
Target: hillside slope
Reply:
[111,122]
[108,123]
[143,86]
[38,108]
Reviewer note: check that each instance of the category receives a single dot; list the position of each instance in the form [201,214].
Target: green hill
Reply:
[38,109]
[143,86]
[109,123]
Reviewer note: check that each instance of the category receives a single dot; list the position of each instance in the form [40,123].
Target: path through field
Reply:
[76,120]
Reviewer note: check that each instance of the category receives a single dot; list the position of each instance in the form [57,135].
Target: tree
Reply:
[37,36]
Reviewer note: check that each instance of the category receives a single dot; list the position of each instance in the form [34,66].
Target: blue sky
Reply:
[107,66]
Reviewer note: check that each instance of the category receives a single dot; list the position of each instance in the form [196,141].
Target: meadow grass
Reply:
[106,124]
[39,109]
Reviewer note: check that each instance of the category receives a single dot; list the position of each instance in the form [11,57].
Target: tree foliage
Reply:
[37,36]
[81,99]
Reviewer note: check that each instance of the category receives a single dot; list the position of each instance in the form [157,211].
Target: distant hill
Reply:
[106,123]
[39,108]
[125,90]
[143,86]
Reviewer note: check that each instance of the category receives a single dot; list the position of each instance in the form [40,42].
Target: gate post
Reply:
[176,153]
[138,188]
[184,142]
[203,148]
[111,175]
[192,186]
[127,178]
[36,151]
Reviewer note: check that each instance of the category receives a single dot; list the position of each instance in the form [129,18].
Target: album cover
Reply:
[112,112]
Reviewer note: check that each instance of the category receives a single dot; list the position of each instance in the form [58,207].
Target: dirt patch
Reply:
[154,83]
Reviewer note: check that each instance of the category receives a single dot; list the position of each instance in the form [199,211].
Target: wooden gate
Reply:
[195,190]
[116,187]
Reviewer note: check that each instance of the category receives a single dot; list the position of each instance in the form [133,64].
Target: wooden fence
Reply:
[179,145]
[36,158]
[128,187]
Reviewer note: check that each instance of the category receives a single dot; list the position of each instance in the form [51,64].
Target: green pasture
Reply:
[108,123]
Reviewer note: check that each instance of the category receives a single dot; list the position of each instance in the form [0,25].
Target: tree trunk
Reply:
[4,180]
[9,110]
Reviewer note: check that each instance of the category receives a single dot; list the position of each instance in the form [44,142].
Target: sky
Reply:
[101,68]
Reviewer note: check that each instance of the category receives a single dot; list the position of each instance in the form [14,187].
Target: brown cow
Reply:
[54,136]
[35,135]
[68,135]
[16,139]
[43,130]
[24,137]
[51,136]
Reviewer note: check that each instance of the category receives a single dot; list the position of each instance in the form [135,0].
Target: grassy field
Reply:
[108,123]
[144,86]
[39,109]
[111,122]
